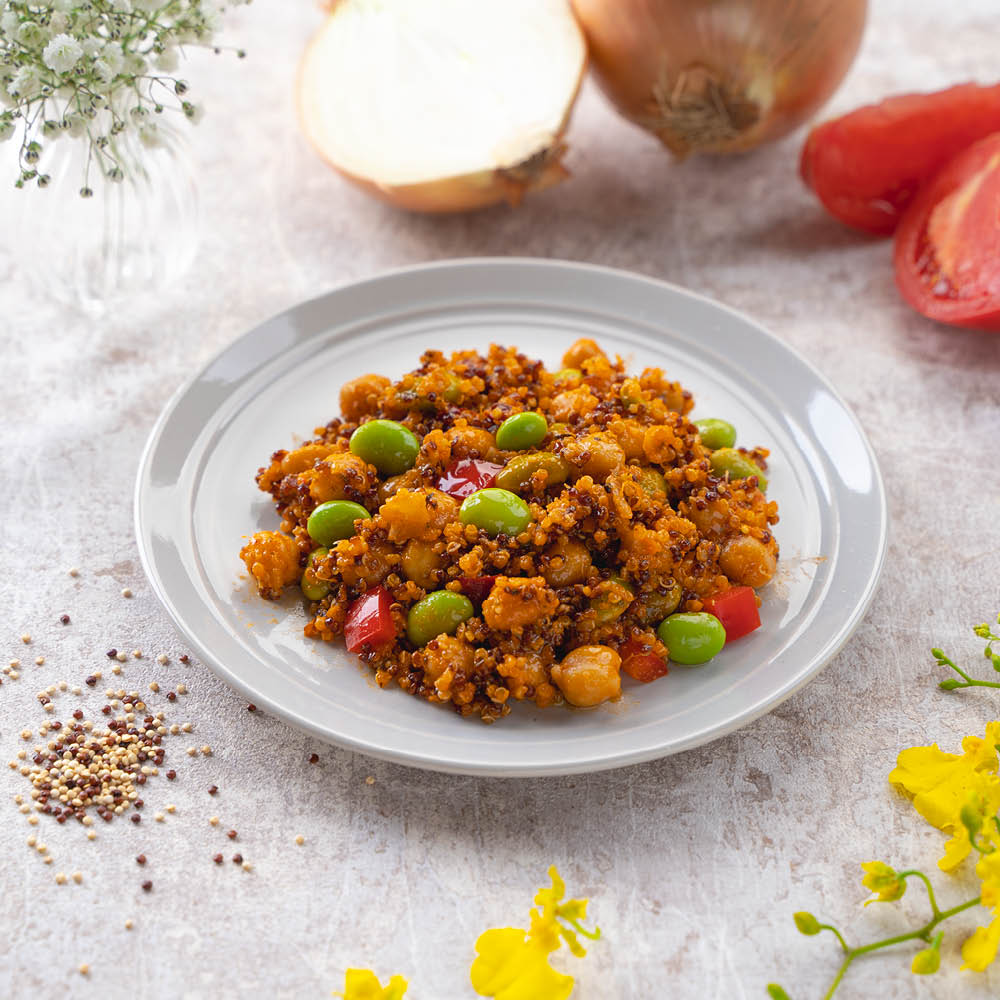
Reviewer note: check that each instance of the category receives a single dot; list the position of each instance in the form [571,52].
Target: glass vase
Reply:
[131,237]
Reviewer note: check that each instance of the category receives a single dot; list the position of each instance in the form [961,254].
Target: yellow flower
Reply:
[513,964]
[363,984]
[981,948]
[941,783]
[883,880]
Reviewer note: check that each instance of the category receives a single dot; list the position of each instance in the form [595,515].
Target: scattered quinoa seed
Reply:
[163,659]
[237,859]
[184,658]
[91,835]
[213,821]
[182,689]
[232,834]
[74,571]
[126,592]
[64,619]
[314,758]
[370,780]
[137,653]
[77,877]
[120,657]
[60,878]
[206,750]
[211,791]
[26,637]
[140,859]
[39,660]
[217,858]
[147,885]
[128,925]
[84,969]
[154,687]
[111,653]
[251,707]
[300,840]
[247,866]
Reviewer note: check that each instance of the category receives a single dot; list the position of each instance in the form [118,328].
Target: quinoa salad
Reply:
[485,531]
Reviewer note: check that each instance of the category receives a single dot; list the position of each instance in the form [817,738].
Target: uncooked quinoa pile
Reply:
[485,530]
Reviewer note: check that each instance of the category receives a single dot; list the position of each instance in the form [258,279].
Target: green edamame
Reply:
[692,637]
[439,613]
[495,511]
[389,446]
[522,431]
[516,474]
[314,589]
[716,433]
[738,466]
[334,520]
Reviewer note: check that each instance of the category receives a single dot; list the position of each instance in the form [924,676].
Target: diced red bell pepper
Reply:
[736,609]
[369,621]
[467,475]
[477,588]
[640,662]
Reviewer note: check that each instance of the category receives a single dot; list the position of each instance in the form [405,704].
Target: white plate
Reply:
[196,500]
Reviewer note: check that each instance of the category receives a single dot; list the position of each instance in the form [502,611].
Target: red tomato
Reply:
[369,621]
[640,662]
[477,588]
[948,245]
[867,166]
[463,477]
[736,609]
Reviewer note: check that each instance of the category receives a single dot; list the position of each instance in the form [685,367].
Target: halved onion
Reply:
[720,76]
[443,105]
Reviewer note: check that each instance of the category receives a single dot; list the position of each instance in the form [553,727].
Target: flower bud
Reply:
[806,923]
[949,685]
[775,992]
[972,818]
[926,962]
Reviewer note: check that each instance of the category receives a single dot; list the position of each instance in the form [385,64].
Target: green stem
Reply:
[837,934]
[976,684]
[923,933]
[927,884]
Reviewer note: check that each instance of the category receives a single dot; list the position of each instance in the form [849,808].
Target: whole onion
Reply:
[720,76]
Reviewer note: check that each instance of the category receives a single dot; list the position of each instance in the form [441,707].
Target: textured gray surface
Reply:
[695,863]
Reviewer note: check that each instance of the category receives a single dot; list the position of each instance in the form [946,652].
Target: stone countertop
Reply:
[694,864]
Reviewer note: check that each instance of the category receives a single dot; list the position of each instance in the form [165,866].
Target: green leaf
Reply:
[775,992]
[806,923]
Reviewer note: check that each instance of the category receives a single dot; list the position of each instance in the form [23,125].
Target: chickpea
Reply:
[420,563]
[589,675]
[360,397]
[408,480]
[597,455]
[566,562]
[339,477]
[579,352]
[748,560]
[573,403]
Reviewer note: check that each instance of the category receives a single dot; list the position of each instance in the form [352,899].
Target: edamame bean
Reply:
[522,431]
[334,520]
[652,480]
[692,637]
[716,433]
[610,599]
[439,613]
[495,511]
[389,446]
[516,474]
[729,460]
[314,589]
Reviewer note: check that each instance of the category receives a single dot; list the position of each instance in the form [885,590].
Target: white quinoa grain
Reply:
[25,637]
[128,925]
[300,840]
[39,661]
[154,687]
[14,664]
[60,878]
[121,657]
[73,571]
[84,969]
[163,659]
[214,821]
[158,817]
[91,835]
[126,592]
[137,653]
[78,690]
[77,877]
[182,689]
[247,866]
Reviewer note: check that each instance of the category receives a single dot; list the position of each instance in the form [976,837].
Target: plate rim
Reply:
[416,758]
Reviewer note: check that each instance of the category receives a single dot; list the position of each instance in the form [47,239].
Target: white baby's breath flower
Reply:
[92,46]
[6,129]
[32,35]
[167,61]
[77,126]
[25,84]
[58,22]
[135,64]
[121,6]
[104,72]
[112,54]
[9,22]
[62,53]
[146,6]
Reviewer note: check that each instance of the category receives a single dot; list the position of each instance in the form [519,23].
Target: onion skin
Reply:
[720,76]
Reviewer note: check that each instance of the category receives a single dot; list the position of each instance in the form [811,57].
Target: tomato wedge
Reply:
[640,662]
[867,166]
[477,588]
[947,251]
[369,621]
[736,609]
[467,475]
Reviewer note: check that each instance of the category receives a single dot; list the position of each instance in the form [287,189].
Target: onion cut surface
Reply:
[443,105]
